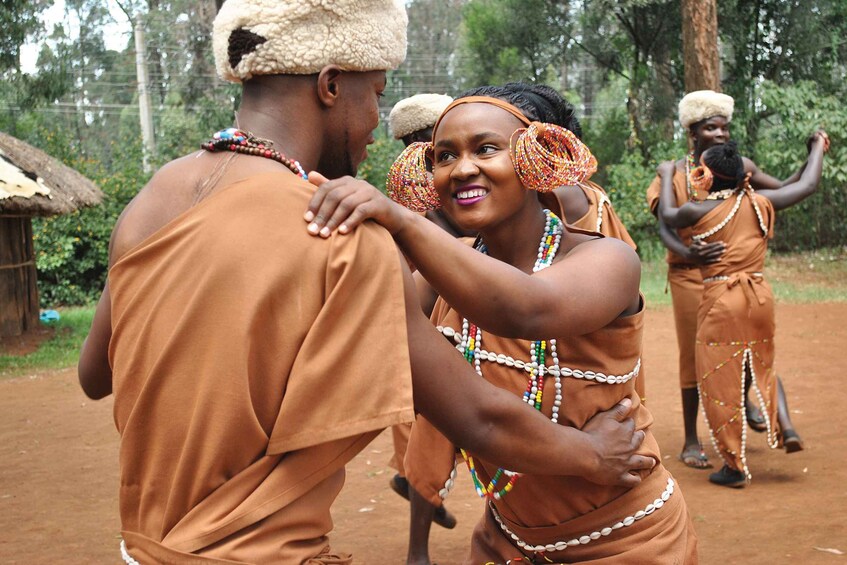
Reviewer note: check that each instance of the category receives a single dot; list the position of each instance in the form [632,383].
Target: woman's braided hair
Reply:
[538,102]
[724,160]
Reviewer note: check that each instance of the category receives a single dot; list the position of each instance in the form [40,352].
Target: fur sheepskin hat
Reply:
[415,113]
[703,104]
[299,37]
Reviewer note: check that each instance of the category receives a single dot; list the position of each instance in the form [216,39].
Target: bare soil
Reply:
[58,467]
[27,342]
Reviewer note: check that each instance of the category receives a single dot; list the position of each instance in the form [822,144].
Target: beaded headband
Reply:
[544,156]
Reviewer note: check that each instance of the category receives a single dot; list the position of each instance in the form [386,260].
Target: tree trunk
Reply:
[700,45]
[665,95]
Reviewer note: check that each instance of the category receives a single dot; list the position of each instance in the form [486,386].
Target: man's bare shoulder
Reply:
[168,194]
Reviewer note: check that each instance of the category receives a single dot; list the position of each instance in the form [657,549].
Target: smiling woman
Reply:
[548,312]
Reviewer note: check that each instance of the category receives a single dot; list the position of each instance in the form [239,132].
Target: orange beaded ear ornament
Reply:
[700,179]
[409,183]
[546,156]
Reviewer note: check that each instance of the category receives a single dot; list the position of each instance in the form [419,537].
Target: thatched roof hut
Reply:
[31,184]
[68,189]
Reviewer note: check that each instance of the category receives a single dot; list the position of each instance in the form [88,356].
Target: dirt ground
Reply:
[58,467]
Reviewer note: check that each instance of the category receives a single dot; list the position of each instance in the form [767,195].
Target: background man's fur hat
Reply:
[703,104]
[416,113]
[299,37]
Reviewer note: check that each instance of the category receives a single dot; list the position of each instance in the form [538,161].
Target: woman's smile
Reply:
[470,194]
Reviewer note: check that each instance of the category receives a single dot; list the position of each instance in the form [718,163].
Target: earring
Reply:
[409,183]
[701,179]
[546,156]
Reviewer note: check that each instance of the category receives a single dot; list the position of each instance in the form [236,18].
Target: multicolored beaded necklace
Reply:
[240,141]
[471,346]
[689,165]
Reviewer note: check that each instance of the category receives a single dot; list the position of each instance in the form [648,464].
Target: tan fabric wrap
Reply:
[400,436]
[736,315]
[611,225]
[665,537]
[686,291]
[613,350]
[251,362]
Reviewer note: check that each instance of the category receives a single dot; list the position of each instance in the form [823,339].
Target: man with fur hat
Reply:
[250,361]
[412,118]
[706,115]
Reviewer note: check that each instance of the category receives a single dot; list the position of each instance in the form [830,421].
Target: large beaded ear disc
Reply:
[701,179]
[546,156]
[410,183]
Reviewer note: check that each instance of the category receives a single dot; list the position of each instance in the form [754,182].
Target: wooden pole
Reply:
[144,109]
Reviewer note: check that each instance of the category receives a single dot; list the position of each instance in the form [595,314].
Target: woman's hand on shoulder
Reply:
[346,202]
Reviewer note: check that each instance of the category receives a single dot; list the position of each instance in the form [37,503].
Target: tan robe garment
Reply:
[736,327]
[251,361]
[685,282]
[546,509]
[600,217]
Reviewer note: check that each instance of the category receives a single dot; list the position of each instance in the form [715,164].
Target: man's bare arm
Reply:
[95,374]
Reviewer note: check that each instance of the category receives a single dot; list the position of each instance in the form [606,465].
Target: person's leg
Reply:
[790,439]
[755,418]
[686,288]
[692,452]
[729,476]
[421,516]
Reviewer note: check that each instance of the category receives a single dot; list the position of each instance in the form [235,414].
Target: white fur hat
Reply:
[415,113]
[704,104]
[299,37]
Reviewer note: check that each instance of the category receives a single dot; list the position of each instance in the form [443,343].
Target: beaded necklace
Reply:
[739,192]
[471,346]
[689,164]
[721,194]
[240,141]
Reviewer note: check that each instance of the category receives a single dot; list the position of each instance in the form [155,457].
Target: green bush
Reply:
[627,183]
[381,155]
[72,251]
[793,112]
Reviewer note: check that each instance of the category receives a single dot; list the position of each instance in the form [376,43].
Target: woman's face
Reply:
[713,131]
[472,166]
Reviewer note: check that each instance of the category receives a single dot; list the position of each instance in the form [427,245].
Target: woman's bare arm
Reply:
[806,185]
[494,423]
[603,273]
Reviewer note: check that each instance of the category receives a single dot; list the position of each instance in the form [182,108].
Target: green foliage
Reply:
[793,112]
[506,40]
[627,185]
[381,155]
[72,251]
